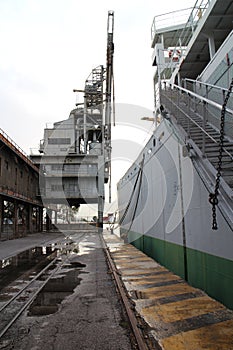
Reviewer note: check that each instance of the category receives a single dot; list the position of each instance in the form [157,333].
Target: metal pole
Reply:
[101,198]
[178,101]
[40,219]
[171,97]
[204,127]
[100,212]
[15,220]
[207,109]
[189,100]
[1,215]
[85,124]
[30,226]
[194,99]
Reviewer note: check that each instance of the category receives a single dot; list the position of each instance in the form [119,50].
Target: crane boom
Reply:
[109,87]
[109,66]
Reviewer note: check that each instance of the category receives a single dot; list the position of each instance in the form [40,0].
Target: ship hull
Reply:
[165,212]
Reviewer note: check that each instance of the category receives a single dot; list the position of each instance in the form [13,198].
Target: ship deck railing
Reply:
[179,20]
[169,22]
[211,92]
[177,29]
[200,118]
[189,115]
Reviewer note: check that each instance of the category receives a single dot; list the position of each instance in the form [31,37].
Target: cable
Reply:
[213,197]
[128,205]
[139,175]
[139,191]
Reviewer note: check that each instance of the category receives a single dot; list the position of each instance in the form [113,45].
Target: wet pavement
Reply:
[56,290]
[78,309]
[13,247]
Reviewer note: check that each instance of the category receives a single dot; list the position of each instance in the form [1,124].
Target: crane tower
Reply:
[75,153]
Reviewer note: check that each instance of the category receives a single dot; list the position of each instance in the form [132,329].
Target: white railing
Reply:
[188,20]
[216,94]
[187,17]
[169,19]
[213,92]
[182,103]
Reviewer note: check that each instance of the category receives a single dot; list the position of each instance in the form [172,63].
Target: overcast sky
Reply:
[49,47]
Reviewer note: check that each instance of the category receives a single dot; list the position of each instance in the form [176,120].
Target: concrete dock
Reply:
[180,317]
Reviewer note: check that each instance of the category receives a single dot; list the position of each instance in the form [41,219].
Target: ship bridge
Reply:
[180,38]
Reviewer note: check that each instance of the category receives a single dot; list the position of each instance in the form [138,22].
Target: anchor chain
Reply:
[213,197]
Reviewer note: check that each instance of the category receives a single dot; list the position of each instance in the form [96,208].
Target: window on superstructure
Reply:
[71,168]
[59,141]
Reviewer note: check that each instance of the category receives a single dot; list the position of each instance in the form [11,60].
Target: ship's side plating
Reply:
[165,210]
[172,216]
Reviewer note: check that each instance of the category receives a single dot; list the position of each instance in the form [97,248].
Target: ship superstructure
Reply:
[176,200]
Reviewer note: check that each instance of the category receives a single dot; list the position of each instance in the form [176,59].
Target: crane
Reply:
[109,94]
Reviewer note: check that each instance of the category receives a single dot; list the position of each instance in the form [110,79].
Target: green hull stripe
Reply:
[210,273]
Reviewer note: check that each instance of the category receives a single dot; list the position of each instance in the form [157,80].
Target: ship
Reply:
[175,201]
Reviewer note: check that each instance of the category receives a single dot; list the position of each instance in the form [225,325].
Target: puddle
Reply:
[56,290]
[14,267]
[75,264]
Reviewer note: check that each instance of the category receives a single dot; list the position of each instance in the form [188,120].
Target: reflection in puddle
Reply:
[37,257]
[56,290]
[85,248]
[12,268]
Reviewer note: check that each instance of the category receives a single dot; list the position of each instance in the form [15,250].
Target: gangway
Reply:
[195,117]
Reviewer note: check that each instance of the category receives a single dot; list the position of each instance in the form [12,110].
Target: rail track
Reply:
[134,324]
[11,310]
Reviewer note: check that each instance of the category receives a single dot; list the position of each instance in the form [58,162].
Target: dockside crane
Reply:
[75,154]
[109,94]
